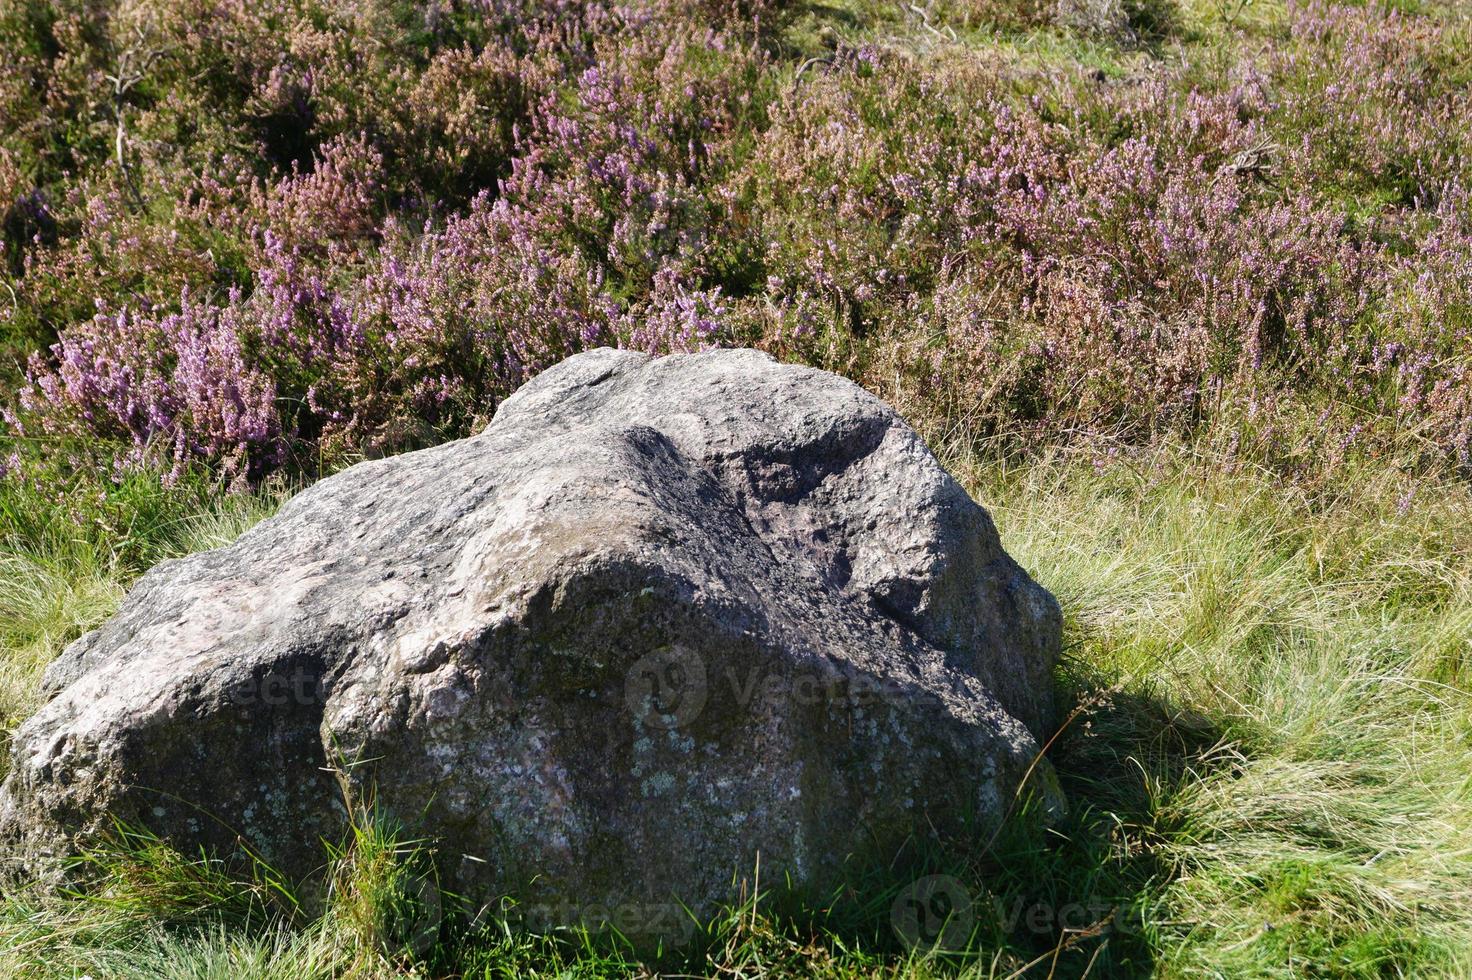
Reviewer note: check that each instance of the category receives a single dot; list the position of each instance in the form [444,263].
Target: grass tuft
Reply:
[1266,766]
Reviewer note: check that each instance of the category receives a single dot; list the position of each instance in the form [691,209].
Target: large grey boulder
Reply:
[662,618]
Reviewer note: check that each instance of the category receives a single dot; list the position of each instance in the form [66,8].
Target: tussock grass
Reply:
[1267,766]
[1311,644]
[69,549]
[44,603]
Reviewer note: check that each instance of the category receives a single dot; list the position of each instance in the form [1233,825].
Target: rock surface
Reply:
[661,616]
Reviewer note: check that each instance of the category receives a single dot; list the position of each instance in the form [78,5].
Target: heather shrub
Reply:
[430,335]
[1126,22]
[340,332]
[175,116]
[376,219]
[107,252]
[1125,258]
[1372,103]
[620,165]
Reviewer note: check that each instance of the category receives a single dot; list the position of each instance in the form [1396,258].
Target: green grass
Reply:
[1268,762]
[68,548]
[1288,676]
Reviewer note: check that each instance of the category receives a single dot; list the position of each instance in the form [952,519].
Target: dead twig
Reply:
[803,68]
[134,63]
[924,14]
[1260,161]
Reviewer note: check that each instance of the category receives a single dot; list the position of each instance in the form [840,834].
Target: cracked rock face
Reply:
[661,617]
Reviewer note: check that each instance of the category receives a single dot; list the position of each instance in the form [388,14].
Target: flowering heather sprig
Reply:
[175,388]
